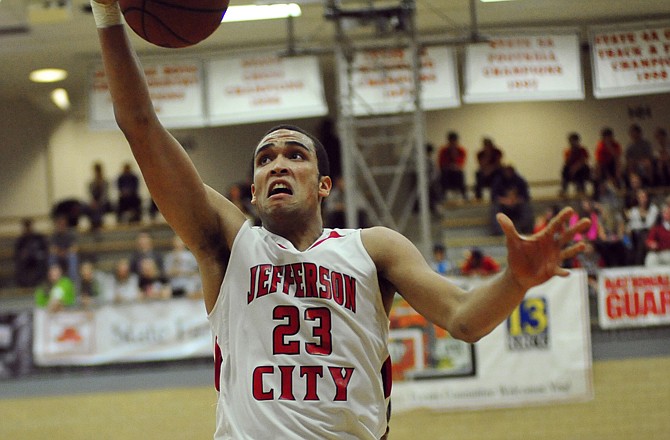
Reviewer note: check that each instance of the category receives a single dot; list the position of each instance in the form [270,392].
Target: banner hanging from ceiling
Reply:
[382,81]
[524,68]
[264,88]
[632,60]
[176,90]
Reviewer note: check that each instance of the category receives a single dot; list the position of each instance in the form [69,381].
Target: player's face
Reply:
[286,173]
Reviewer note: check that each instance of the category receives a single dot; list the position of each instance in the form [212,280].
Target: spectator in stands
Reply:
[587,208]
[613,244]
[90,286]
[510,195]
[658,240]
[98,203]
[71,209]
[125,286]
[489,162]
[242,200]
[477,263]
[152,283]
[64,250]
[639,220]
[31,256]
[662,157]
[57,292]
[635,183]
[608,160]
[129,206]
[451,162]
[181,269]
[640,155]
[439,262]
[576,169]
[144,248]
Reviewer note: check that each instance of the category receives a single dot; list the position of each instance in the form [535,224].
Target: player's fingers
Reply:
[507,225]
[571,251]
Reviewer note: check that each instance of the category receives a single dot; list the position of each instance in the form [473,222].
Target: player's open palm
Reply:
[534,259]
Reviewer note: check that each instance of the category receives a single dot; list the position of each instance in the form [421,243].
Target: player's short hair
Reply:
[321,154]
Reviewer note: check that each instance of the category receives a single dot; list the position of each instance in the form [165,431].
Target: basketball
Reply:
[173,23]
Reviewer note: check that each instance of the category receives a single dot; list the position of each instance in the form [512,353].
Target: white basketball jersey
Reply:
[301,340]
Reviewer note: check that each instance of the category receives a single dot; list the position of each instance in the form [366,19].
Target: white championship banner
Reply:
[147,331]
[176,90]
[633,297]
[382,81]
[264,88]
[524,68]
[541,354]
[630,60]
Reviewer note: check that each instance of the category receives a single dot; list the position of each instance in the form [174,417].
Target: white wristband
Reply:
[106,15]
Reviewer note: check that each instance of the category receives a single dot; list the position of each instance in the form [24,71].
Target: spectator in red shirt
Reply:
[479,264]
[608,158]
[658,241]
[576,168]
[451,161]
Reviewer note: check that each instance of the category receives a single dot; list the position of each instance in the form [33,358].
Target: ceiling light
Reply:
[261,12]
[48,75]
[60,98]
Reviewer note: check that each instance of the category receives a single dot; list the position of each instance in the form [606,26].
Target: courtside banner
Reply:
[264,88]
[630,60]
[148,331]
[382,80]
[541,354]
[176,90]
[524,68]
[633,297]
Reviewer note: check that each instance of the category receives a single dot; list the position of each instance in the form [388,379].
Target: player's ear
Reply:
[253,194]
[325,185]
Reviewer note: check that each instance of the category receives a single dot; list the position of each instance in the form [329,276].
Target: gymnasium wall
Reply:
[48,155]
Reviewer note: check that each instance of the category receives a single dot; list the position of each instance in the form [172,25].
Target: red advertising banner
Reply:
[631,60]
[633,297]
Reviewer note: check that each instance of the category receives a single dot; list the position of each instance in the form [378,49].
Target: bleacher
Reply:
[105,247]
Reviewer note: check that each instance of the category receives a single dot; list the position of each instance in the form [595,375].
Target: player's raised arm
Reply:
[204,219]
[471,315]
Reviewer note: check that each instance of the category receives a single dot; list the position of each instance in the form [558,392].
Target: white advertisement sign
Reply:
[633,297]
[264,88]
[148,331]
[382,80]
[176,90]
[540,354]
[524,68]
[630,61]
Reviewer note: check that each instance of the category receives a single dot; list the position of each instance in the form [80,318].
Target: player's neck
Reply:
[302,234]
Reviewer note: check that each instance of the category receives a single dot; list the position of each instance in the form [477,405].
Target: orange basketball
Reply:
[173,23]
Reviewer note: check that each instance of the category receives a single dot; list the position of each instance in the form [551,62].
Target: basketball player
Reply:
[299,313]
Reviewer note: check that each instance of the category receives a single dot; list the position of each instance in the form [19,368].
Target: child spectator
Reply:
[57,292]
[479,264]
[181,269]
[440,263]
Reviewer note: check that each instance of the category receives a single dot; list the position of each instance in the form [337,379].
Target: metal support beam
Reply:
[383,155]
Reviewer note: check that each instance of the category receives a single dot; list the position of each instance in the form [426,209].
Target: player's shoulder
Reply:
[380,240]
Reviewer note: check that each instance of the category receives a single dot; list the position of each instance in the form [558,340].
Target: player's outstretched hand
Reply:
[534,259]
